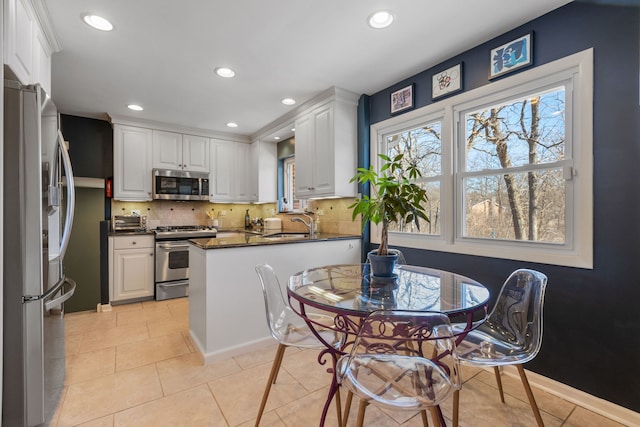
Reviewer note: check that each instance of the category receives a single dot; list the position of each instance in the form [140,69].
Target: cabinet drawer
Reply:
[133,242]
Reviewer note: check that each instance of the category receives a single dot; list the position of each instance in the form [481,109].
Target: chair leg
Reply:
[347,408]
[532,400]
[435,416]
[361,408]
[339,408]
[277,361]
[456,408]
[425,419]
[496,371]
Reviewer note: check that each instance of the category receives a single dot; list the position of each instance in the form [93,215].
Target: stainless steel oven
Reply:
[172,259]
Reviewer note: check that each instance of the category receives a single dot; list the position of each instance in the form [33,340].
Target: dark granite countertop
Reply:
[240,239]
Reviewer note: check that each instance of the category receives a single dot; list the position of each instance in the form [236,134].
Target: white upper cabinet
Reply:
[42,62]
[326,148]
[167,150]
[195,153]
[232,177]
[222,166]
[19,34]
[265,162]
[244,185]
[176,151]
[132,165]
[27,52]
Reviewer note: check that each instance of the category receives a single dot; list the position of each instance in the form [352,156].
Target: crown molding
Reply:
[150,124]
[43,17]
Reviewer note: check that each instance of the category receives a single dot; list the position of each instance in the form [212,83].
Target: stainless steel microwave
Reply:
[180,185]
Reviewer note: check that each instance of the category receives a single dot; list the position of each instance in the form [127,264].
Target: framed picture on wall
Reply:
[402,99]
[447,81]
[511,56]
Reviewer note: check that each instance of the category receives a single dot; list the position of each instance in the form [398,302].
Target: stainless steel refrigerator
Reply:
[35,240]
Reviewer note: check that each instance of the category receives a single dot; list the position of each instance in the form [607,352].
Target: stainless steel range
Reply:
[172,258]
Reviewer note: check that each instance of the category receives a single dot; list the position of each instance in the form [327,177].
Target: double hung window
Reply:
[507,167]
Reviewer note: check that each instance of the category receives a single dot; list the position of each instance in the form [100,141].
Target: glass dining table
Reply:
[350,293]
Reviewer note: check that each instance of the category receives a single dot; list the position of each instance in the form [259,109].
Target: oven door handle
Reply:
[173,285]
[171,246]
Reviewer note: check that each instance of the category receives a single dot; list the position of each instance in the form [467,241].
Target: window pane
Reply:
[523,206]
[519,132]
[432,209]
[421,146]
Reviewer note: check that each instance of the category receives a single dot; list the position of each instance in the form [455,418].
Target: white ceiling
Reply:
[162,53]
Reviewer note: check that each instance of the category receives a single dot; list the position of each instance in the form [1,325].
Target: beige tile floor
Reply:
[136,366]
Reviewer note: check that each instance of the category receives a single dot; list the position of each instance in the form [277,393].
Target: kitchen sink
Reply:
[287,236]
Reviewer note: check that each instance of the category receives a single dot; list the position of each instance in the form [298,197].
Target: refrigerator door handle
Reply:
[51,291]
[48,305]
[71,196]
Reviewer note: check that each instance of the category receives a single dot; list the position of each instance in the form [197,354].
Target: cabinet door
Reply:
[304,156]
[18,39]
[167,150]
[243,173]
[42,60]
[133,273]
[220,183]
[131,163]
[265,159]
[195,153]
[323,151]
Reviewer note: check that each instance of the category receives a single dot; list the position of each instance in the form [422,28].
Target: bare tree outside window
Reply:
[514,184]
[422,147]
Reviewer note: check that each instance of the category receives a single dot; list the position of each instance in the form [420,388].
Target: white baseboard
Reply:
[595,404]
[229,352]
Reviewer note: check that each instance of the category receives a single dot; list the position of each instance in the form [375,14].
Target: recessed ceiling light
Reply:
[135,107]
[232,125]
[276,138]
[225,72]
[288,101]
[380,19]
[293,129]
[98,22]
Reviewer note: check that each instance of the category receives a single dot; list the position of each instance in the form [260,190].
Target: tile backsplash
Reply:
[331,215]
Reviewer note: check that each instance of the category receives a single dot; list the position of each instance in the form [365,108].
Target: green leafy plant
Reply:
[394,197]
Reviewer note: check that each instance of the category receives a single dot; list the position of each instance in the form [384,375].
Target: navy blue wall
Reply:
[90,145]
[591,325]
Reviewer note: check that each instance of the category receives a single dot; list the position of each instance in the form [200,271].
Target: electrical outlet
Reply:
[135,212]
[223,213]
[320,211]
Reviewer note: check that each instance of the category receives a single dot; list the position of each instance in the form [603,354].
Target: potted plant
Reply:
[394,197]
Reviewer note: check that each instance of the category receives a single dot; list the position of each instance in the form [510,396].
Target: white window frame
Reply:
[287,181]
[578,248]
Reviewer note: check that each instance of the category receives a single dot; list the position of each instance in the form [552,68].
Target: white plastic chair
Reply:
[511,335]
[387,366]
[289,329]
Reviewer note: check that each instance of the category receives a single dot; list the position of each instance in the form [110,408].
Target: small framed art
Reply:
[402,99]
[511,56]
[447,81]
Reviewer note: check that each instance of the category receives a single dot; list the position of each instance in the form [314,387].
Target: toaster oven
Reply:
[129,223]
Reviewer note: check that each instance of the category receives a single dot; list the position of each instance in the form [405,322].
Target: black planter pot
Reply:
[382,265]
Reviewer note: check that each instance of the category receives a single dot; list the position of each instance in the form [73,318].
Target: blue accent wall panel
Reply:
[591,323]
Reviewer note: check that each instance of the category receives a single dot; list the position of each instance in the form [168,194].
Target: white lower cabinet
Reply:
[131,267]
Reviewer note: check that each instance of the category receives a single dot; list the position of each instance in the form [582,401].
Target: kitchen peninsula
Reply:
[226,305]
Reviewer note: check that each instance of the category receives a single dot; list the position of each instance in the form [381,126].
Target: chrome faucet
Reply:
[310,224]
